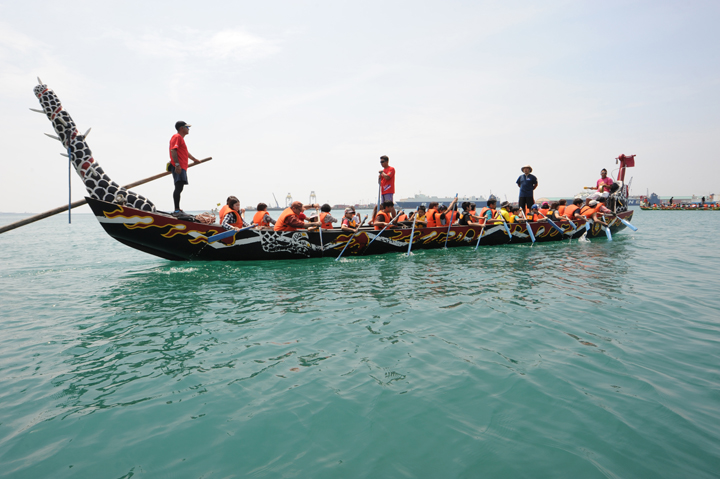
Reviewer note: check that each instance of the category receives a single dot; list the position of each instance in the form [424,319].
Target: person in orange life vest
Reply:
[544,208]
[179,155]
[562,204]
[586,210]
[384,217]
[289,219]
[448,213]
[262,218]
[226,206]
[604,183]
[233,219]
[572,212]
[348,223]
[535,215]
[326,219]
[433,215]
[386,176]
[596,215]
[489,213]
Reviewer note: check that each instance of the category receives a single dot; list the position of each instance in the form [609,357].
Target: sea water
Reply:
[570,359]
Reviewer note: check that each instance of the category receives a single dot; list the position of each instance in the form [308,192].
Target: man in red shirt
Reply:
[387,182]
[179,155]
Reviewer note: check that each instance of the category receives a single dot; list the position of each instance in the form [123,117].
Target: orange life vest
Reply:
[544,211]
[450,217]
[431,219]
[403,217]
[323,225]
[223,211]
[280,223]
[561,210]
[570,210]
[588,211]
[385,219]
[238,219]
[259,218]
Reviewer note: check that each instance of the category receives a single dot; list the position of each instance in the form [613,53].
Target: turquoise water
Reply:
[559,360]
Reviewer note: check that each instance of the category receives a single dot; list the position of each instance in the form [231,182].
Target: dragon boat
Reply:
[133,220]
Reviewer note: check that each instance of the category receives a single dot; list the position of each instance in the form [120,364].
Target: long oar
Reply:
[527,225]
[412,233]
[75,204]
[381,231]
[227,234]
[452,217]
[351,238]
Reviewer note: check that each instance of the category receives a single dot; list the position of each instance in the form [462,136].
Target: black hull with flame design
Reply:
[170,238]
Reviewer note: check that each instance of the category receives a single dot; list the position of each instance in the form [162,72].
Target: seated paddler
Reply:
[262,218]
[233,218]
[326,218]
[384,217]
[291,218]
[349,223]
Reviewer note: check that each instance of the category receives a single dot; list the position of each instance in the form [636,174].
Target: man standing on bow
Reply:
[527,183]
[179,155]
[387,182]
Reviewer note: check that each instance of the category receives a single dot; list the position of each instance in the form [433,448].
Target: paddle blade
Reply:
[626,223]
[608,234]
[219,236]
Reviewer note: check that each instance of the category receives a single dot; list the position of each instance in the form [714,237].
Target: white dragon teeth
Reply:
[39,81]
[37,111]
[87,132]
[52,136]
[65,155]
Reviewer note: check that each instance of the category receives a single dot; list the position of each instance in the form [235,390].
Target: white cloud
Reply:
[234,44]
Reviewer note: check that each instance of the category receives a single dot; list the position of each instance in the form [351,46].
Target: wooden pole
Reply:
[75,204]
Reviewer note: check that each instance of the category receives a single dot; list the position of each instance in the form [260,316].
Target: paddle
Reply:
[412,233]
[552,223]
[527,225]
[322,246]
[227,234]
[507,228]
[381,231]
[482,230]
[450,220]
[351,238]
[607,230]
[626,223]
[75,204]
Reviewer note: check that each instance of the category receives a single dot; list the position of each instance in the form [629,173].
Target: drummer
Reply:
[603,184]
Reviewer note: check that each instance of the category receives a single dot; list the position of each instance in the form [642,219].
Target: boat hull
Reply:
[174,239]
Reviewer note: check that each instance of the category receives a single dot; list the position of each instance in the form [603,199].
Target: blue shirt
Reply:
[527,185]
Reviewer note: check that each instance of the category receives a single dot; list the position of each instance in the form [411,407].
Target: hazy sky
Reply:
[300,96]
